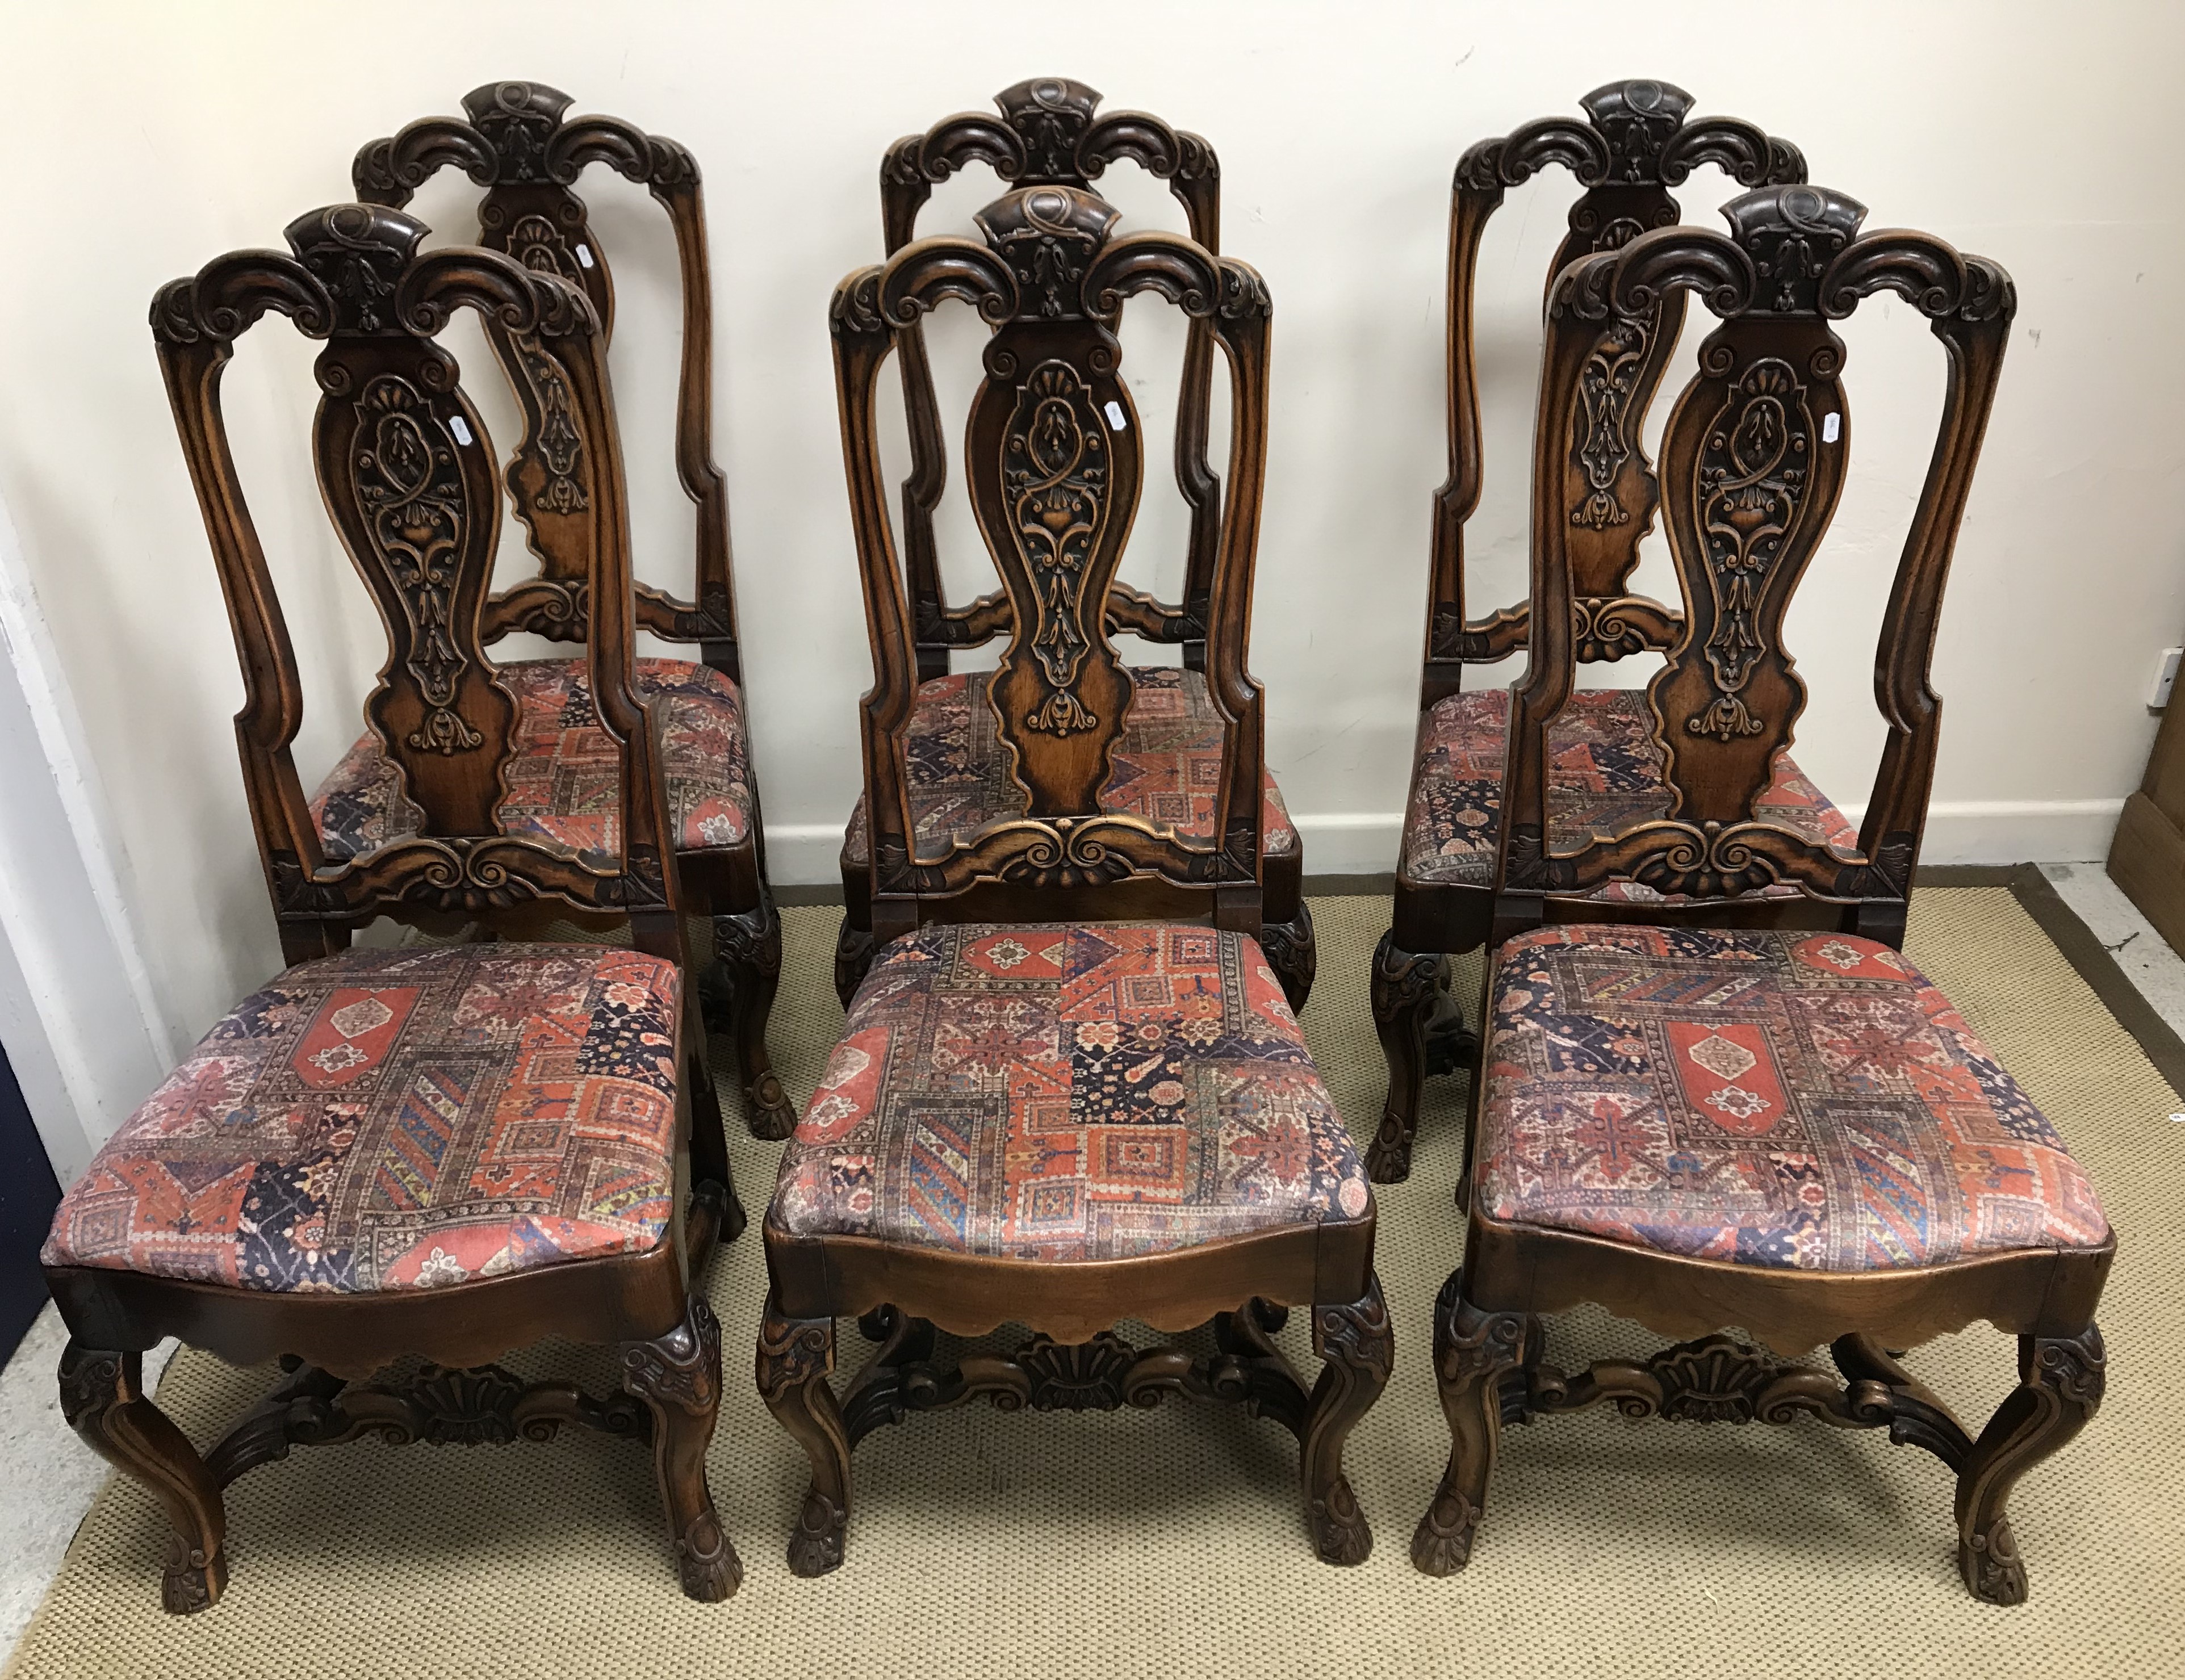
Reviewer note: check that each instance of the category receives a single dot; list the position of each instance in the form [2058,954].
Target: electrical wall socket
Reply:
[2165,678]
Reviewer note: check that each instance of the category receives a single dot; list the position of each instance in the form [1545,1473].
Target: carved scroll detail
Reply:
[560,444]
[410,487]
[1752,478]
[1606,384]
[1056,477]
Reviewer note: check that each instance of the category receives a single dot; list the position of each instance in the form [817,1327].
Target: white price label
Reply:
[456,424]
[1831,427]
[584,256]
[1115,415]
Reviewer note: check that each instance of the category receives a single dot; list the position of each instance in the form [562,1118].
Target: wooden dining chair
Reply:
[516,140]
[1051,132]
[1636,143]
[1041,1114]
[424,1151]
[1779,1125]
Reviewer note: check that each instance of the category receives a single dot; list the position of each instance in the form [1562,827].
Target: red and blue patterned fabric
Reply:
[1604,776]
[1166,767]
[1085,1092]
[564,776]
[1798,1100]
[400,1119]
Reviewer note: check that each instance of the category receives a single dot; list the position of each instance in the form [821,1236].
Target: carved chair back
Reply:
[515,140]
[1753,464]
[1054,467]
[1050,133]
[407,471]
[1634,145]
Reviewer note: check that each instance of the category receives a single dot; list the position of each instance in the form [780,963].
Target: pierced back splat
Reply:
[1635,144]
[1752,465]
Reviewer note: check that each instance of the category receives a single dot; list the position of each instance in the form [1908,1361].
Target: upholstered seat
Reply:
[399,1120]
[1085,1092]
[1166,768]
[1604,774]
[1805,1100]
[562,778]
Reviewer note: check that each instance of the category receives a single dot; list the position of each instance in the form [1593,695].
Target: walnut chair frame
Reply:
[1754,474]
[1635,144]
[516,141]
[1051,132]
[356,282]
[1052,282]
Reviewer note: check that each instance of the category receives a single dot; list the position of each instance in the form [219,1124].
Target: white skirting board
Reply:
[1364,843]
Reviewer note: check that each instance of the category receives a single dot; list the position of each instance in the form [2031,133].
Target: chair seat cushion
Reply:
[1085,1092]
[1166,767]
[564,778]
[1604,775]
[1796,1100]
[399,1119]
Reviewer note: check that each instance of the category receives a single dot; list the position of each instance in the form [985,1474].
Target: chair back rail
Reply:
[1752,462]
[516,140]
[1054,464]
[1050,132]
[406,470]
[1634,145]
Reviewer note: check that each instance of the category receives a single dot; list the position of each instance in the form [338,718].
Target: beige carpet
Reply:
[1168,1542]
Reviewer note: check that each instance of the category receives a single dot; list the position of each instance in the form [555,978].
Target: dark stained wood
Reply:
[405,466]
[517,140]
[1637,142]
[1053,467]
[1054,483]
[1752,465]
[1050,132]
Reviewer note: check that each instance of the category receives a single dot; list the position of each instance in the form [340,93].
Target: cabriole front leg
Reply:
[1473,1349]
[749,946]
[678,1376]
[2060,1389]
[794,1358]
[102,1399]
[1356,1351]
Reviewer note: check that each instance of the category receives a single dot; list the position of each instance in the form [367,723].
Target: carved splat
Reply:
[1636,143]
[518,141]
[1050,133]
[1753,464]
[1053,463]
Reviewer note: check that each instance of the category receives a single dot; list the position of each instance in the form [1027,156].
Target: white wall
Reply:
[146,139]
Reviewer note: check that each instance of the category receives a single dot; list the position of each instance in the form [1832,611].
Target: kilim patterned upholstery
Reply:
[1166,768]
[1604,775]
[565,779]
[1083,1092]
[400,1119]
[1776,1099]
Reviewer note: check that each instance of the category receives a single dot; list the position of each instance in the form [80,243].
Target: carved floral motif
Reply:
[1751,480]
[411,491]
[1055,475]
[560,445]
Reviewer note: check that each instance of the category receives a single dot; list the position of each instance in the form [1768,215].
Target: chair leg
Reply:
[1473,1349]
[2059,1388]
[678,1376]
[1293,952]
[102,1398]
[717,1215]
[794,1358]
[1404,991]
[853,959]
[749,945]
[1356,1349]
